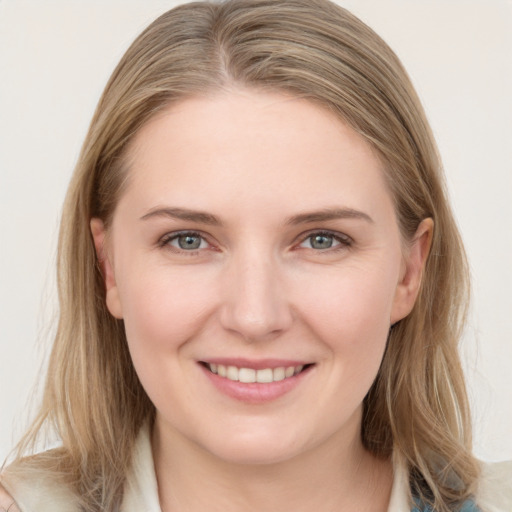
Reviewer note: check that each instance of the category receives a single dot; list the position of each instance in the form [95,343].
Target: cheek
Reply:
[355,301]
[162,311]
[345,312]
[349,313]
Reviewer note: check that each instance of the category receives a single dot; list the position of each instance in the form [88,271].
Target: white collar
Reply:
[141,488]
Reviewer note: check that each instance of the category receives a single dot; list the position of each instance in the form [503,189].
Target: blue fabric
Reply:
[467,506]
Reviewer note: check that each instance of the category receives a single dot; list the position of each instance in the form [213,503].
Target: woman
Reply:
[261,283]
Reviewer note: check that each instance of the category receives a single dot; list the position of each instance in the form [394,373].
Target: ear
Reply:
[107,270]
[412,271]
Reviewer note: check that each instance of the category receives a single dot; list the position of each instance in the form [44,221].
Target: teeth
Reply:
[279,374]
[232,373]
[264,376]
[247,375]
[250,375]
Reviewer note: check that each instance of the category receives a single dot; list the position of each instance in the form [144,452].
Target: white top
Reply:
[141,492]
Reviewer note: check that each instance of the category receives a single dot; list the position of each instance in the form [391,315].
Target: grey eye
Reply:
[188,242]
[321,241]
[324,240]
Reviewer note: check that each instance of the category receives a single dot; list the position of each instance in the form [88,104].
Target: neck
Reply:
[336,475]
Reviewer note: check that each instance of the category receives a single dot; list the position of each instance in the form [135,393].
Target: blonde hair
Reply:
[313,49]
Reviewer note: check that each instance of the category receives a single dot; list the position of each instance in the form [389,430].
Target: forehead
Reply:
[255,147]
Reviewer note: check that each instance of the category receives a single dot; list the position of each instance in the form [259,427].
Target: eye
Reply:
[184,241]
[325,240]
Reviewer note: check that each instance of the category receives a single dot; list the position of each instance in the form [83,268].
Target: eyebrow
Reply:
[329,214]
[301,218]
[183,214]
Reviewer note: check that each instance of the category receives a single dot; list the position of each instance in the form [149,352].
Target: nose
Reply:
[255,305]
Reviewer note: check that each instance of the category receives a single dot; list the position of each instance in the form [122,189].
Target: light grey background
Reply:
[55,57]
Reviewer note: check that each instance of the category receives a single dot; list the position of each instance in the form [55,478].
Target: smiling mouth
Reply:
[251,375]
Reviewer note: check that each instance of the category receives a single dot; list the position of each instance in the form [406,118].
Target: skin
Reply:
[6,501]
[256,288]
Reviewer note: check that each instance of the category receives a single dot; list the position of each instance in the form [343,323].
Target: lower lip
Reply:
[255,392]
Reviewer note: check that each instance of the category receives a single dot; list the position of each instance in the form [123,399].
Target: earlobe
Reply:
[112,294]
[412,272]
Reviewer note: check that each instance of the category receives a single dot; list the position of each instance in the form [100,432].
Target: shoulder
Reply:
[34,491]
[34,486]
[7,503]
[494,493]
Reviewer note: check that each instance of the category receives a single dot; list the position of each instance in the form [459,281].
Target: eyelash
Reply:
[165,242]
[343,241]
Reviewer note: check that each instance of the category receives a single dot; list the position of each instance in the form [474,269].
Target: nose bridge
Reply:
[255,304]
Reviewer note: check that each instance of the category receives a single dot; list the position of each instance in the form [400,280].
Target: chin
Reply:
[254,449]
[254,456]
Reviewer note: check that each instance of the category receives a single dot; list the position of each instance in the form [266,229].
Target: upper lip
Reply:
[256,364]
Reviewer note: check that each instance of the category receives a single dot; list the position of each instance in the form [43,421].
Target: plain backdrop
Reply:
[55,58]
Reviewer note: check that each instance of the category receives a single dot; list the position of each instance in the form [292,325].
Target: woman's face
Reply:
[256,261]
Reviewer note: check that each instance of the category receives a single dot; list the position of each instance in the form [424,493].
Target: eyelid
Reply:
[163,241]
[342,238]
